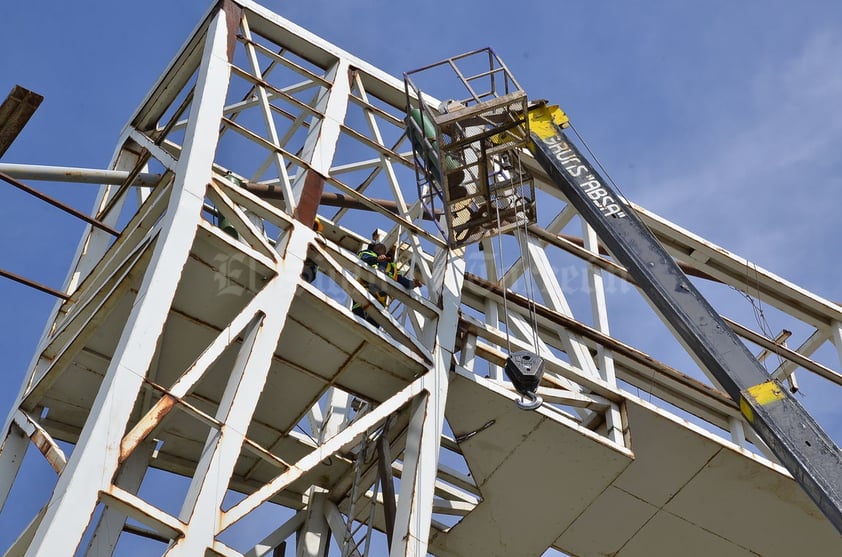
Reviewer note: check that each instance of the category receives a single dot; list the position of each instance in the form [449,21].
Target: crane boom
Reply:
[464,151]
[801,445]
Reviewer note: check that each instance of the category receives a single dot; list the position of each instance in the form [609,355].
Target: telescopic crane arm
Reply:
[782,423]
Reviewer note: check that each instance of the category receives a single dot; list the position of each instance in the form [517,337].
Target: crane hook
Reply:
[529,401]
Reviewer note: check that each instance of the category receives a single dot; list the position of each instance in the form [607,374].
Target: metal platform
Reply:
[545,481]
[322,346]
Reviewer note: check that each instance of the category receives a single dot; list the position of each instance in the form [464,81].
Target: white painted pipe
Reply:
[79,175]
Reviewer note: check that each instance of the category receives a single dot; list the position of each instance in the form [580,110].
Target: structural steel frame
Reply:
[253,100]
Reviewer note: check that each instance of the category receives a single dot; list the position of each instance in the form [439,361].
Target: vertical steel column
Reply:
[835,337]
[94,459]
[421,455]
[110,524]
[338,413]
[12,450]
[613,419]
[314,535]
[598,305]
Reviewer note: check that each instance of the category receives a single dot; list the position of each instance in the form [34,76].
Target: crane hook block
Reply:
[525,369]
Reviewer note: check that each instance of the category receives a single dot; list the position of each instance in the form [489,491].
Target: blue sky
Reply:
[721,116]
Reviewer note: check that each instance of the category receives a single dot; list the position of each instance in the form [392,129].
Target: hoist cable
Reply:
[526,258]
[592,156]
[756,303]
[502,277]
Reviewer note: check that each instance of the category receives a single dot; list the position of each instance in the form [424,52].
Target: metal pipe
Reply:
[116,177]
[330,199]
[33,284]
[264,191]
[69,174]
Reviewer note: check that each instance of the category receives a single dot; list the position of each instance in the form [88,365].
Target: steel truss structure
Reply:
[194,387]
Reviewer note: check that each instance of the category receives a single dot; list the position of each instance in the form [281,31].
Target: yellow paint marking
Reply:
[762,394]
[746,410]
[542,118]
[767,392]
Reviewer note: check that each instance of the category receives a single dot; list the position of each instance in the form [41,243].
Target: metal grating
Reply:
[467,151]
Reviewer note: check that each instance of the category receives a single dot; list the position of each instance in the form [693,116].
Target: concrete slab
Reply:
[536,471]
[689,492]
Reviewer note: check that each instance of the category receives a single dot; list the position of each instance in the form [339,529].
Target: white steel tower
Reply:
[224,359]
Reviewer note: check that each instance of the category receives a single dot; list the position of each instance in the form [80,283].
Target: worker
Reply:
[310,268]
[377,256]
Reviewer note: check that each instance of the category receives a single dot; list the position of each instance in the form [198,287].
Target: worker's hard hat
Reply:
[450,105]
[317,225]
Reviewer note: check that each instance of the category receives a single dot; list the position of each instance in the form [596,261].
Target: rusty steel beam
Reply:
[311,196]
[15,112]
[42,440]
[58,204]
[33,284]
[268,191]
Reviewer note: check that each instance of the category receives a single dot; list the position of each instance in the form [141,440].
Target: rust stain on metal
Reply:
[311,196]
[15,112]
[233,15]
[149,422]
[48,449]
[333,199]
